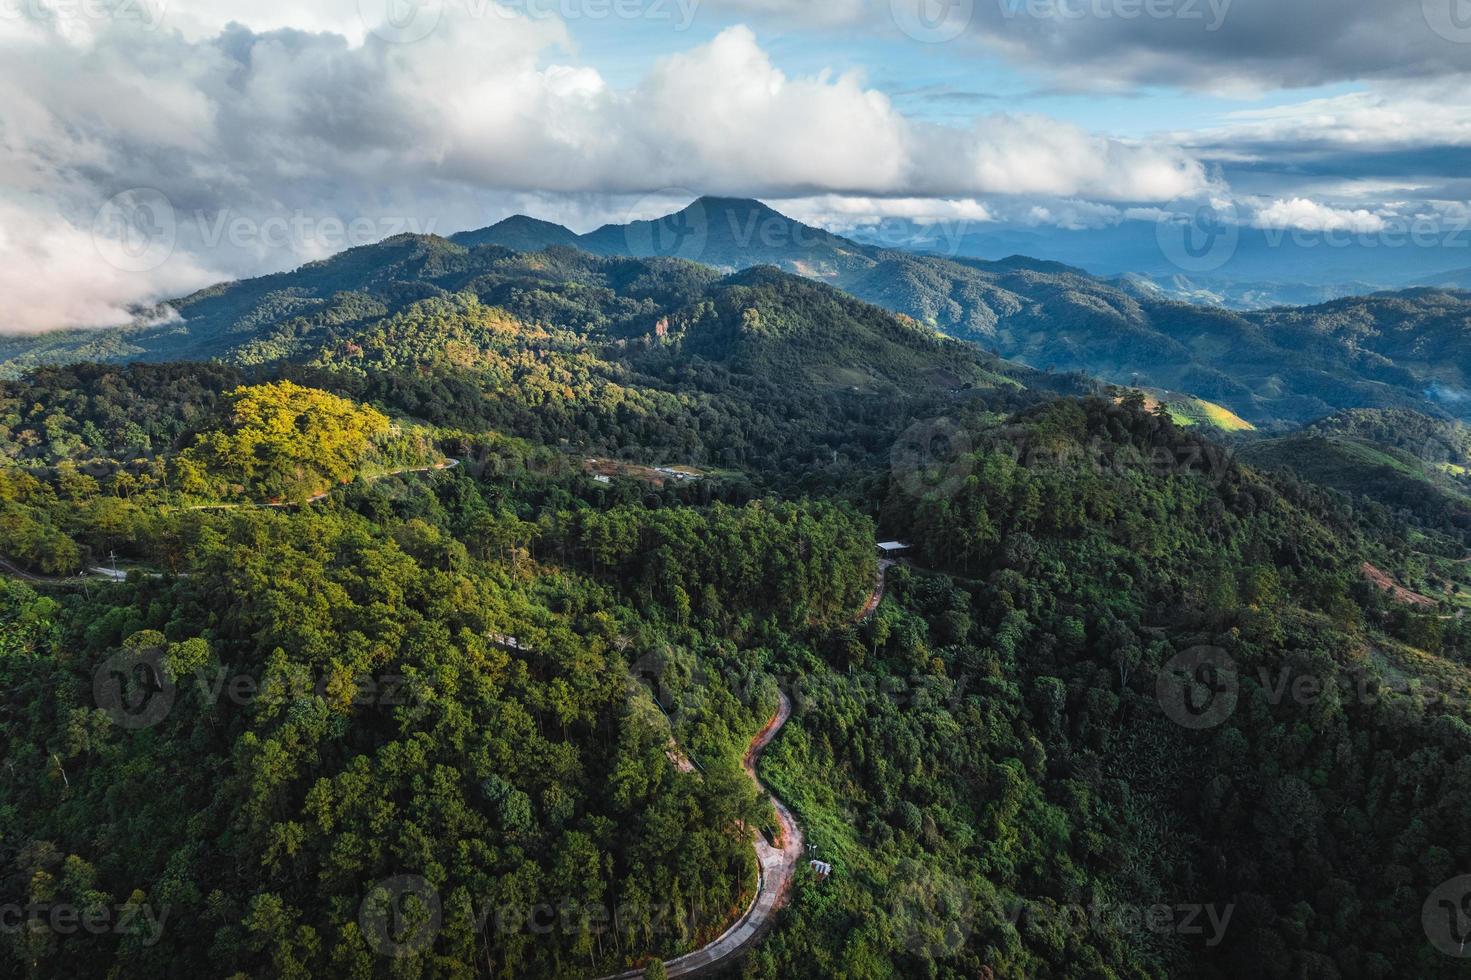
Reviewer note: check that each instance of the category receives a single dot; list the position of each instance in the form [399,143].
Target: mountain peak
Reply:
[714,202]
[524,221]
[520,232]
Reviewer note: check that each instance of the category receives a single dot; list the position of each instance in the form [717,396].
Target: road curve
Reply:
[778,866]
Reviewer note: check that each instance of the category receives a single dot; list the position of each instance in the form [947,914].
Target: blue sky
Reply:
[235,120]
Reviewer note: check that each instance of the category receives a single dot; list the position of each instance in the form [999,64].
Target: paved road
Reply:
[778,864]
[778,867]
[878,590]
[35,578]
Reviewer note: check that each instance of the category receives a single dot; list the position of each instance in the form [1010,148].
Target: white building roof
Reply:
[893,546]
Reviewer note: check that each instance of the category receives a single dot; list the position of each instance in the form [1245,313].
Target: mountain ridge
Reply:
[1275,368]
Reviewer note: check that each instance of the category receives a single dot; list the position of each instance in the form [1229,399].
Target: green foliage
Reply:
[504,687]
[282,442]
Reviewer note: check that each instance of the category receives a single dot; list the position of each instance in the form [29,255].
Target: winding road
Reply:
[778,866]
[778,863]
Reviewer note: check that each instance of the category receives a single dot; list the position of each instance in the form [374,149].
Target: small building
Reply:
[600,478]
[892,549]
[820,868]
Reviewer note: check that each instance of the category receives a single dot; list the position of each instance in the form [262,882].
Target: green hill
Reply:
[1406,461]
[1272,368]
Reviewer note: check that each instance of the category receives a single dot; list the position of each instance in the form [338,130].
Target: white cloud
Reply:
[52,273]
[1301,214]
[1036,155]
[247,133]
[1074,215]
[1391,115]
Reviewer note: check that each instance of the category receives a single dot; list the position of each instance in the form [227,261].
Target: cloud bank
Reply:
[276,146]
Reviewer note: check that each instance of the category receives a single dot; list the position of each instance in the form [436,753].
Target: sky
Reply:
[151,147]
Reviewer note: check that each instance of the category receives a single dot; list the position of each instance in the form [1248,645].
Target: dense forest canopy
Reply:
[1131,706]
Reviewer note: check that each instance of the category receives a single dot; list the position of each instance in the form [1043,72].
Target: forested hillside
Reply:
[1275,369]
[447,603]
[1282,366]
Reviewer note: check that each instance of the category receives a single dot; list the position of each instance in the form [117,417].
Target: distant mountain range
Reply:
[1270,367]
[1274,368]
[1262,268]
